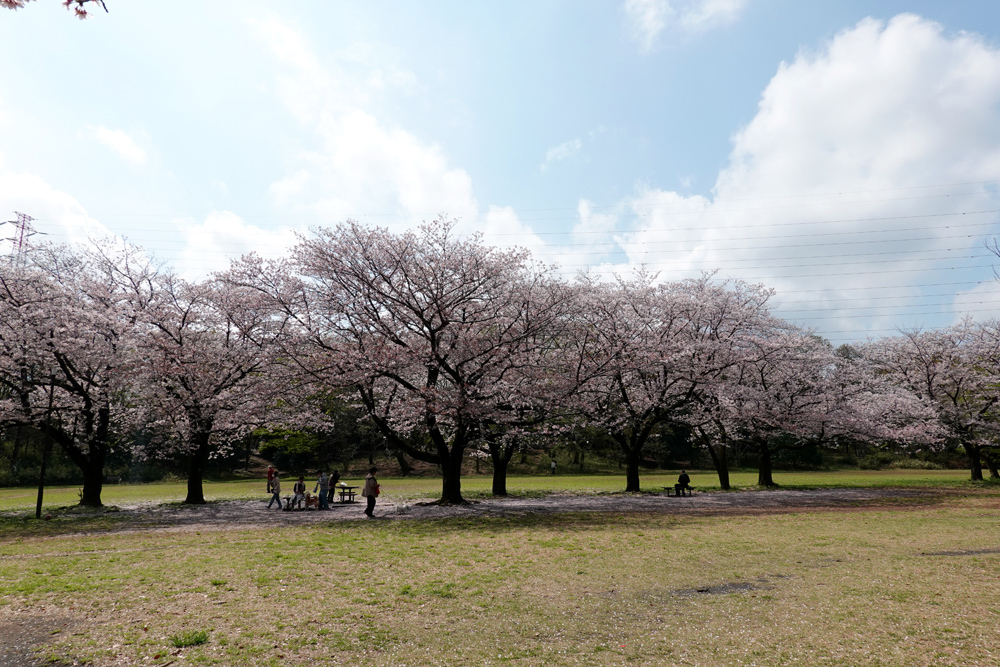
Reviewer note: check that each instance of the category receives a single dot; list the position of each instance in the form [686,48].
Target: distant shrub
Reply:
[916,464]
[877,461]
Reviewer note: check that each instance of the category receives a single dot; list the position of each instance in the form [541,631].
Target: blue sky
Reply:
[845,153]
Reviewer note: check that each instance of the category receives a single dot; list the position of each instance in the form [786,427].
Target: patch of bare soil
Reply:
[23,632]
[237,514]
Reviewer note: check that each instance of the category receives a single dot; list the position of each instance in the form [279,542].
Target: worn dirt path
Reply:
[236,514]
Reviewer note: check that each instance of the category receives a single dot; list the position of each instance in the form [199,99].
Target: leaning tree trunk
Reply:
[404,466]
[500,455]
[721,462]
[764,476]
[989,457]
[973,451]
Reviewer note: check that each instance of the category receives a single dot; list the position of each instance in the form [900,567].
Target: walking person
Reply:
[271,472]
[370,491]
[275,491]
[323,484]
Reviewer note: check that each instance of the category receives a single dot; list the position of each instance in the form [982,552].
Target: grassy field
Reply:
[880,586]
[478,486]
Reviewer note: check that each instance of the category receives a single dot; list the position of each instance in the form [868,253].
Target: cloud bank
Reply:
[826,194]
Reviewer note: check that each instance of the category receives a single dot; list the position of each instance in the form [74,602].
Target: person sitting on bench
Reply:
[299,498]
[683,482]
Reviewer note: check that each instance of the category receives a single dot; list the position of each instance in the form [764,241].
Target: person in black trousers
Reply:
[683,482]
[370,491]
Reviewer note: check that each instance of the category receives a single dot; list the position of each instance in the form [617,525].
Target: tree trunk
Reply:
[632,458]
[196,471]
[91,463]
[46,450]
[404,466]
[764,477]
[975,462]
[451,477]
[989,457]
[93,484]
[15,453]
[721,463]
[500,477]
[500,456]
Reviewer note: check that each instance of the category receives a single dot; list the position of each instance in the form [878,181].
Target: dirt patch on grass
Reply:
[24,632]
[970,552]
[244,514]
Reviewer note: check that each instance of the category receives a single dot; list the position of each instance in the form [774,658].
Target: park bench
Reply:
[674,491]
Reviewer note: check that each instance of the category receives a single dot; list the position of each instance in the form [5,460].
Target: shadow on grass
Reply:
[64,520]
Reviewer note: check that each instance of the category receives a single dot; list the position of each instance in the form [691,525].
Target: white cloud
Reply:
[647,19]
[361,166]
[502,227]
[221,235]
[826,188]
[565,150]
[58,216]
[708,14]
[121,143]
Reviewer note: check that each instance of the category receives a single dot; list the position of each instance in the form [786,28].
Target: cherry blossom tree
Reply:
[207,373]
[644,353]
[79,7]
[439,337]
[67,347]
[791,388]
[957,370]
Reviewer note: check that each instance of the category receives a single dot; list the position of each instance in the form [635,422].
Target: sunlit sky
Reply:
[846,154]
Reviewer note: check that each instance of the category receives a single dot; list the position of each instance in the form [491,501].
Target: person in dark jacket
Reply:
[370,491]
[683,482]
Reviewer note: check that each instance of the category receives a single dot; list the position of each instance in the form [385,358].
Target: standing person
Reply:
[323,484]
[275,490]
[300,493]
[553,466]
[334,478]
[271,472]
[370,491]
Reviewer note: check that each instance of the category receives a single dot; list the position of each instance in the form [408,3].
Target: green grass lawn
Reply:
[873,586]
[479,486]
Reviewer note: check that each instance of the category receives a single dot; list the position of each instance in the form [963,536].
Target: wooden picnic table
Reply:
[348,493]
